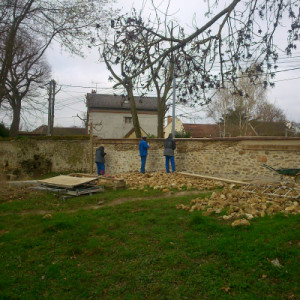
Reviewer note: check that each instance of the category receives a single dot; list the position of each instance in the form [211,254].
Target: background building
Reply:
[111,115]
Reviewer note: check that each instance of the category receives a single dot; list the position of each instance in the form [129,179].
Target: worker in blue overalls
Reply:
[143,147]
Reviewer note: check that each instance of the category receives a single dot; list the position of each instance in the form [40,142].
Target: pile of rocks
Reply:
[241,205]
[167,181]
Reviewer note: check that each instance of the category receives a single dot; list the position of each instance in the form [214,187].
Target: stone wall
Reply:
[34,156]
[235,158]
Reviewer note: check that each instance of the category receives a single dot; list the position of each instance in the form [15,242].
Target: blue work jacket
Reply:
[143,146]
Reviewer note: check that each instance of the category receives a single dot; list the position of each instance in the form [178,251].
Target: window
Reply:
[128,120]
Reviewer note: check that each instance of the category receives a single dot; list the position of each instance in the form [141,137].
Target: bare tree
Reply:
[125,81]
[69,22]
[133,47]
[243,104]
[218,109]
[269,112]
[27,75]
[241,33]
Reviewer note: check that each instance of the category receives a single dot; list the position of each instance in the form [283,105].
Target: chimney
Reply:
[169,120]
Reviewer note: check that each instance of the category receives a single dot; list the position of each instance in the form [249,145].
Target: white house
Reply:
[111,116]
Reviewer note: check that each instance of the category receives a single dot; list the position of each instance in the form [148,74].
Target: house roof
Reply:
[62,131]
[120,102]
[202,130]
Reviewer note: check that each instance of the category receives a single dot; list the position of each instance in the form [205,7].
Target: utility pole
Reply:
[53,101]
[173,60]
[49,107]
[52,86]
[173,107]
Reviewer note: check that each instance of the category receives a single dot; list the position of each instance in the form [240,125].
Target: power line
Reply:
[292,69]
[287,79]
[83,87]
[110,88]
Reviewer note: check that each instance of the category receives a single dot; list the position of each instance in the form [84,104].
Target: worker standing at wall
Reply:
[100,160]
[143,147]
[170,146]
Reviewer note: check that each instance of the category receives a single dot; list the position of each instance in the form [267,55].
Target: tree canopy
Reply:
[236,36]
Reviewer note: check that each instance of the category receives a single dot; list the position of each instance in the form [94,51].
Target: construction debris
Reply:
[212,178]
[111,182]
[240,222]
[236,203]
[285,190]
[168,181]
[67,181]
[71,185]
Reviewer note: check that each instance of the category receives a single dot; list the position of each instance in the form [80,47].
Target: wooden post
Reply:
[91,148]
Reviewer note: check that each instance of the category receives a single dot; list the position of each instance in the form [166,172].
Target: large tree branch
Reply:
[185,41]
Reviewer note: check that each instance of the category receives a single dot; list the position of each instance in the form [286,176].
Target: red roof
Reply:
[202,130]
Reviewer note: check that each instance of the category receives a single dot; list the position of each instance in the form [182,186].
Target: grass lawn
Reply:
[141,250]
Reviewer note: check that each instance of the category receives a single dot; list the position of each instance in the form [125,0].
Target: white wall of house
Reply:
[116,124]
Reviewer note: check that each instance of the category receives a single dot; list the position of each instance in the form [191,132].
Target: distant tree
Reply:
[268,112]
[264,119]
[219,107]
[238,103]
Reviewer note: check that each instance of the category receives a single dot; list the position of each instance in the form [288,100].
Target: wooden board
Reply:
[82,175]
[66,181]
[213,178]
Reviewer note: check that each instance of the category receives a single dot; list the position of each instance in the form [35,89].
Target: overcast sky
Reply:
[77,76]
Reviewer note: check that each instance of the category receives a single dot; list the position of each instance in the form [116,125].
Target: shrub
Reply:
[183,134]
[4,132]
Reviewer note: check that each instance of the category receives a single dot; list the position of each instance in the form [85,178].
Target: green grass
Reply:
[142,250]
[45,201]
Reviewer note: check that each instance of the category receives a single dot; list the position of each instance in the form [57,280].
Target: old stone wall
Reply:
[235,158]
[33,156]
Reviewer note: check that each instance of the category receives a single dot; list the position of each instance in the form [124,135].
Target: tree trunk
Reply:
[135,118]
[160,118]
[14,127]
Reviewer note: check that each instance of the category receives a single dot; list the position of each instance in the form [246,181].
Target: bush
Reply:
[183,134]
[4,132]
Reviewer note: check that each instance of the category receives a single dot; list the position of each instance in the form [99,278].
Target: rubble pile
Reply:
[239,204]
[167,181]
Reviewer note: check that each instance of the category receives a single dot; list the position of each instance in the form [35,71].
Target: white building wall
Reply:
[111,124]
